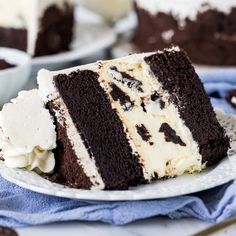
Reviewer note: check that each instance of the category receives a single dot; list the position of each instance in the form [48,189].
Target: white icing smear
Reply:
[185,8]
[28,133]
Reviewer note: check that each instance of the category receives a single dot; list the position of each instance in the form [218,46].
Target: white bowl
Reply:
[13,80]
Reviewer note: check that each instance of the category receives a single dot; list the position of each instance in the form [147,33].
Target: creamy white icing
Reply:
[27,133]
[183,9]
[26,14]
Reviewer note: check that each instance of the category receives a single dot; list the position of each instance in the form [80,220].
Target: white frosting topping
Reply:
[26,14]
[182,9]
[28,133]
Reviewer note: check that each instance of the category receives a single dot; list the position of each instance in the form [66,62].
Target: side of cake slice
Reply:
[132,120]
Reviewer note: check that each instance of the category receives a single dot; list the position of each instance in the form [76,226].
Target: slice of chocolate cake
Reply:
[206,29]
[129,121]
[40,27]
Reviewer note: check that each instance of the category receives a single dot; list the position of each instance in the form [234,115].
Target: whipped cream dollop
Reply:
[27,133]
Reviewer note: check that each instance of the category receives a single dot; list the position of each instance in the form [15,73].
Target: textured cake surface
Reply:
[200,27]
[132,120]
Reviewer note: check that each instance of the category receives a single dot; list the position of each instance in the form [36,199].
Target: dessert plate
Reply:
[224,172]
[89,38]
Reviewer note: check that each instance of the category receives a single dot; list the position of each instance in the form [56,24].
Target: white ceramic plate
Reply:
[186,184]
[89,38]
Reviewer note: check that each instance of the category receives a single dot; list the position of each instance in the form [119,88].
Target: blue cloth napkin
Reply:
[21,207]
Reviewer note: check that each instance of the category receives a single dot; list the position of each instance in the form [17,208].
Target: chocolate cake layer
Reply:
[68,169]
[177,76]
[56,30]
[13,38]
[210,39]
[100,128]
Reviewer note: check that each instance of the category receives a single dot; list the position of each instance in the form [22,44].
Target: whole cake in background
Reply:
[114,124]
[39,27]
[206,29]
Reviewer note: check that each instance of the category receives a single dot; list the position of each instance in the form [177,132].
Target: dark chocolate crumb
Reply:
[162,104]
[124,99]
[155,96]
[170,135]
[154,177]
[143,132]
[143,106]
[128,80]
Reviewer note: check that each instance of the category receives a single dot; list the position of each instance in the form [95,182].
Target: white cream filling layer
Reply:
[26,14]
[163,158]
[183,9]
[27,134]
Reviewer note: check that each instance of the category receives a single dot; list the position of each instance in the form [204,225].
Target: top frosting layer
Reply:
[28,133]
[183,9]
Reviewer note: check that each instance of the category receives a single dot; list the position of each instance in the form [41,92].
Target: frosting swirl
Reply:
[27,133]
